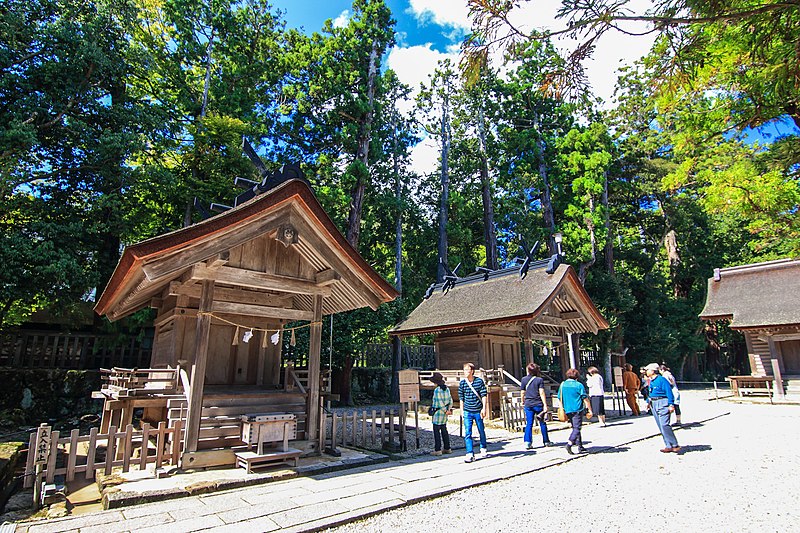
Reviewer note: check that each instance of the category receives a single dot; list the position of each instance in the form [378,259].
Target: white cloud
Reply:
[425,157]
[414,64]
[453,13]
[342,20]
[614,49]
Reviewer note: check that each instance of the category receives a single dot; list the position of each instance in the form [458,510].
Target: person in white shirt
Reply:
[596,393]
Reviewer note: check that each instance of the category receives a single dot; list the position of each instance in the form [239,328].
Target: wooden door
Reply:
[790,350]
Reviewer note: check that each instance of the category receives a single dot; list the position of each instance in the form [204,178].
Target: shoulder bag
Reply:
[562,415]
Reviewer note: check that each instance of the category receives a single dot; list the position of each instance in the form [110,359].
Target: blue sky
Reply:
[415,25]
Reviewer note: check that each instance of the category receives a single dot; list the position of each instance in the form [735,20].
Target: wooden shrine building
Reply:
[761,301]
[485,317]
[223,289]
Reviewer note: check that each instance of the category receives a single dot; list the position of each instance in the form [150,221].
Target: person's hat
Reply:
[653,366]
[437,378]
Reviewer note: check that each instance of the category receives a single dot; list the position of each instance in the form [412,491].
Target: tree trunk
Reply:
[398,193]
[609,248]
[583,269]
[489,230]
[364,138]
[187,212]
[445,181]
[547,203]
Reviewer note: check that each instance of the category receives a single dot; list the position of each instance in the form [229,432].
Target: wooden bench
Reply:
[250,460]
[741,385]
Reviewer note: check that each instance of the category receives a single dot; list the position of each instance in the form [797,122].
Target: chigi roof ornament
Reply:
[268,180]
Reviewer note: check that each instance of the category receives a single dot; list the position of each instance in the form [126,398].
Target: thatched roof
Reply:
[757,295]
[504,298]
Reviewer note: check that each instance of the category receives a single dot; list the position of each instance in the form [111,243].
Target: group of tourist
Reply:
[657,385]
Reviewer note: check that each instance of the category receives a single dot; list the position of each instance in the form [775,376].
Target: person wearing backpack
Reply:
[534,404]
[472,394]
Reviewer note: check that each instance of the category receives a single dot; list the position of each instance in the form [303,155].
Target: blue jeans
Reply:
[530,413]
[469,417]
[660,409]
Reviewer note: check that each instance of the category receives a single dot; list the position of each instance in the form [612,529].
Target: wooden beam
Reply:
[260,280]
[548,320]
[327,277]
[571,315]
[260,311]
[217,243]
[241,296]
[314,352]
[311,243]
[199,367]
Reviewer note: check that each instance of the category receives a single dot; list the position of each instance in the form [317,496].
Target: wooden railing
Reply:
[369,429]
[298,377]
[125,382]
[53,349]
[492,378]
[88,454]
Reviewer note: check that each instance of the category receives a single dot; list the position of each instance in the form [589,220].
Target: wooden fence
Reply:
[369,429]
[78,351]
[87,454]
[412,356]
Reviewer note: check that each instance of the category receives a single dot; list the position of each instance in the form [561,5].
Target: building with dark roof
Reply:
[485,317]
[761,301]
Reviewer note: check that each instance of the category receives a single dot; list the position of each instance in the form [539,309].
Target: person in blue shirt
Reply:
[662,404]
[573,398]
[472,393]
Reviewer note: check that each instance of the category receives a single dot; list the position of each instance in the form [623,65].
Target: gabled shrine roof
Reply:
[755,295]
[147,267]
[503,297]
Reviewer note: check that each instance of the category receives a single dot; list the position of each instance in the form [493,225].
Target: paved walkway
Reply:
[325,500]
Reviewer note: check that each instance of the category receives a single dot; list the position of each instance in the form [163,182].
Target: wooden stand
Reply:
[262,429]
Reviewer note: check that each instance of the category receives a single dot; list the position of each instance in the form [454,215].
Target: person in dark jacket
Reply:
[534,404]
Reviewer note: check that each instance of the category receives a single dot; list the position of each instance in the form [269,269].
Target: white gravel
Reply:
[738,472]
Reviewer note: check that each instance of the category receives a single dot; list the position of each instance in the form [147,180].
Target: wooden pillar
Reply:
[314,349]
[397,346]
[198,376]
[775,357]
[526,332]
[573,360]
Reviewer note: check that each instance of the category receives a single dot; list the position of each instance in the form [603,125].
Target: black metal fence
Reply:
[78,351]
[422,357]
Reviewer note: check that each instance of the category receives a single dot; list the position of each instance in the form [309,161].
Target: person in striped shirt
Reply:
[472,394]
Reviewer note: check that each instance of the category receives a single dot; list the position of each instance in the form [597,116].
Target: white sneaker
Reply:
[484,453]
[469,458]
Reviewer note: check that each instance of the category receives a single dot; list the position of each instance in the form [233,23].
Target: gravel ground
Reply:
[738,472]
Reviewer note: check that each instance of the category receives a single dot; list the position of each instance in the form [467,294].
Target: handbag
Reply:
[432,410]
[562,415]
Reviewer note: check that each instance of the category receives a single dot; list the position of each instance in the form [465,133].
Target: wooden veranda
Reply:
[224,290]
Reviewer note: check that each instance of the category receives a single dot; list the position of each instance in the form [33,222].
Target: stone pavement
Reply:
[325,500]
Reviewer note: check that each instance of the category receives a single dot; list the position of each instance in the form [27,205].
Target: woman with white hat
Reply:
[662,404]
